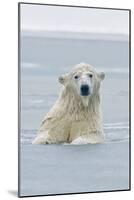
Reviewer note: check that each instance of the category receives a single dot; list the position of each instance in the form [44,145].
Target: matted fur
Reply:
[74,118]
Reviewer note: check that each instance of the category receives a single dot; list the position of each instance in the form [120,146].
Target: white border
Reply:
[8,92]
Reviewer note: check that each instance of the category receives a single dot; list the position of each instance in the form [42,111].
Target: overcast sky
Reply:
[53,18]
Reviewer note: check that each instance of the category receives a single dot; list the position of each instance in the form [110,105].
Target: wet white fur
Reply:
[74,118]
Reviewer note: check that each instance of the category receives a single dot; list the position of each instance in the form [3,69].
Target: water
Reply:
[56,54]
[42,61]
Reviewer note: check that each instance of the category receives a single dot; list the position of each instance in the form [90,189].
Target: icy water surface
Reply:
[54,169]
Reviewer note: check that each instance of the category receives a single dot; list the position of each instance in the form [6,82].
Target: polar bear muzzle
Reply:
[85,90]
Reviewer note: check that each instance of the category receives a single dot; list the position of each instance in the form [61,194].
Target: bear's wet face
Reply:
[85,90]
[83,82]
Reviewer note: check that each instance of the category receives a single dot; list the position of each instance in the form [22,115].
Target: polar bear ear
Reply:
[63,79]
[101,76]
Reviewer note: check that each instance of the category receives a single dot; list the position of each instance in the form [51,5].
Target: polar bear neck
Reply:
[78,107]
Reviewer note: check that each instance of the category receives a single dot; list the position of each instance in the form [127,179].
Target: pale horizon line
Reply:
[75,34]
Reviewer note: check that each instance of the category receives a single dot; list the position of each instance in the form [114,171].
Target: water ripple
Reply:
[115,132]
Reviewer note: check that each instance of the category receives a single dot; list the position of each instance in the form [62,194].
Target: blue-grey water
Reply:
[42,61]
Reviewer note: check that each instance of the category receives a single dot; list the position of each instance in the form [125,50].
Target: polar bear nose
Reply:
[85,90]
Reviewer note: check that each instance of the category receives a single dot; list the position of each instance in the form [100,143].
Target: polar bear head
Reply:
[83,80]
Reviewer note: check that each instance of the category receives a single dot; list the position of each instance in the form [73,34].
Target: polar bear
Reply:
[76,117]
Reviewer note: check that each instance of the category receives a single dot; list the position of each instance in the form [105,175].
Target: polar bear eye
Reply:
[76,76]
